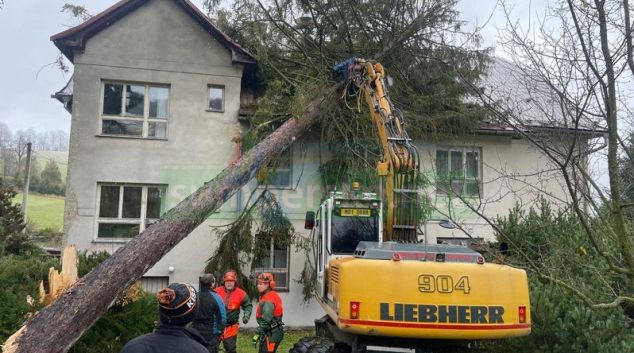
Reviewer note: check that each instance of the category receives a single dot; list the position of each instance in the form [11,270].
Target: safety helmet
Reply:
[230,276]
[266,277]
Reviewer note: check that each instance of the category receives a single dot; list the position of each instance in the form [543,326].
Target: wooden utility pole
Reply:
[27,180]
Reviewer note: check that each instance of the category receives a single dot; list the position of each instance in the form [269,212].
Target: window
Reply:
[134,110]
[458,170]
[477,244]
[126,210]
[277,263]
[348,231]
[154,284]
[216,98]
[278,172]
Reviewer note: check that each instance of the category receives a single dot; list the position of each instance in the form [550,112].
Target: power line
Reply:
[52,160]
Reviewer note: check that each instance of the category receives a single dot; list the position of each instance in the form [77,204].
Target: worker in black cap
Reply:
[178,306]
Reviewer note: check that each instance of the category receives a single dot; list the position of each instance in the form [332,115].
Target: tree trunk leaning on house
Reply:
[58,326]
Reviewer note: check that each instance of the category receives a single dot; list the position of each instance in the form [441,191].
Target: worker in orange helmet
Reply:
[269,312]
[234,299]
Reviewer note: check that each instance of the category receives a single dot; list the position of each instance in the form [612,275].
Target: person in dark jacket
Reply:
[270,331]
[212,316]
[233,298]
[177,308]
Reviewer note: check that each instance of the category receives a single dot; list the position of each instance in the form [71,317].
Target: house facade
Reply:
[155,100]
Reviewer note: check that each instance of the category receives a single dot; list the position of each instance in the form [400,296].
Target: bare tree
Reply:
[572,102]
[8,164]
[60,140]
[5,151]
[49,141]
[18,148]
[5,135]
[41,143]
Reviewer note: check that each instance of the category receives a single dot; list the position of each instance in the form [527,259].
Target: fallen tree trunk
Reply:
[59,325]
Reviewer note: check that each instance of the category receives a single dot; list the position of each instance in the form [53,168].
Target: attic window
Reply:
[216,98]
[134,110]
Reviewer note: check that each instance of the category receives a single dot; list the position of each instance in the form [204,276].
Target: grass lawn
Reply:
[44,211]
[290,338]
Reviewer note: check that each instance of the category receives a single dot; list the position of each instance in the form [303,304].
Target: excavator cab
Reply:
[341,223]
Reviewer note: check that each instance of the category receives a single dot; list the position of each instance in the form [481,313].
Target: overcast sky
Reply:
[27,78]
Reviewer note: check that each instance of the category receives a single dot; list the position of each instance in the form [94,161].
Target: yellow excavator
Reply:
[381,289]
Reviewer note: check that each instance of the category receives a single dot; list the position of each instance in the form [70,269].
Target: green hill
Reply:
[44,211]
[60,157]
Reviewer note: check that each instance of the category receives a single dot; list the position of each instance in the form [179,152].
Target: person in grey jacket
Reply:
[212,315]
[177,308]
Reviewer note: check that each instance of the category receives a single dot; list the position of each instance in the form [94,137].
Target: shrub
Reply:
[122,322]
[119,325]
[89,260]
[561,324]
[49,182]
[51,235]
[556,244]
[20,276]
[11,217]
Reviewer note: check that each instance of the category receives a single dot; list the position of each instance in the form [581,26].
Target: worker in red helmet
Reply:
[269,312]
[234,298]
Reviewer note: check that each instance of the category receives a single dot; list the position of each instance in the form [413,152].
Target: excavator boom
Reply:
[400,159]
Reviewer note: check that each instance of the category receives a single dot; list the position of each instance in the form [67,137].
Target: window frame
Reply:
[153,284]
[463,177]
[145,119]
[142,221]
[289,170]
[223,90]
[476,243]
[278,271]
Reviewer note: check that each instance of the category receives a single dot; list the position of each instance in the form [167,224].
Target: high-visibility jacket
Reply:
[269,315]
[235,300]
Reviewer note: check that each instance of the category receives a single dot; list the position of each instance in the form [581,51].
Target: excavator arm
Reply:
[399,164]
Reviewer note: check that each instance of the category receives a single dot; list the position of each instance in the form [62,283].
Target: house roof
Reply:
[532,105]
[75,38]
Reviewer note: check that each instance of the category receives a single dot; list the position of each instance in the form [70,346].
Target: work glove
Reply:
[245,320]
[255,340]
